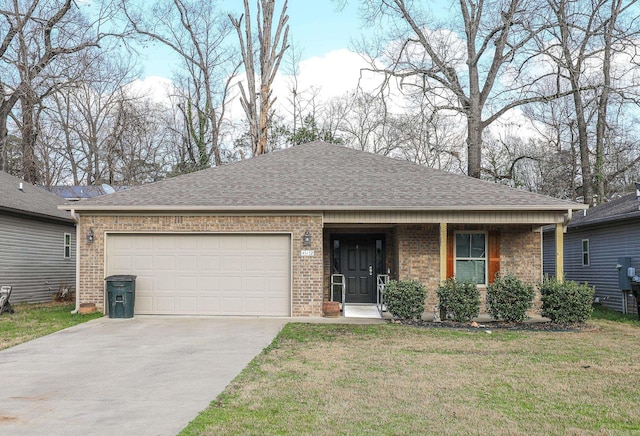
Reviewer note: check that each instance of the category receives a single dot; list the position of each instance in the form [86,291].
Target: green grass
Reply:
[326,379]
[604,313]
[32,321]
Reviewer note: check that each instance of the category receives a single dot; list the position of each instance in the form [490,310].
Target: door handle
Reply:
[370,270]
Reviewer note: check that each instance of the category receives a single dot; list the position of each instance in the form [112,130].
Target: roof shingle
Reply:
[31,200]
[625,207]
[324,177]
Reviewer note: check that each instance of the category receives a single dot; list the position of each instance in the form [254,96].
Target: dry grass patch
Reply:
[31,321]
[395,379]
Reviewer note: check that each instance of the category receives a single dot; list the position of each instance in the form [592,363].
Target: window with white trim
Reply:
[67,245]
[471,257]
[585,252]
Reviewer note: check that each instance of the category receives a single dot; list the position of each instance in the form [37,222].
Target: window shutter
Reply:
[450,242]
[494,255]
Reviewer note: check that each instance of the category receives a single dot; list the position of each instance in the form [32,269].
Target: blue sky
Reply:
[316,28]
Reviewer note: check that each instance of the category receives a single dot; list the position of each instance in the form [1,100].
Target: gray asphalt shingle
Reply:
[325,176]
[625,207]
[31,200]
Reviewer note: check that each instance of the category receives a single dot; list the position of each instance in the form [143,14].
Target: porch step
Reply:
[361,311]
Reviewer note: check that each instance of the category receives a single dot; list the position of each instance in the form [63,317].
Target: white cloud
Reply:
[158,89]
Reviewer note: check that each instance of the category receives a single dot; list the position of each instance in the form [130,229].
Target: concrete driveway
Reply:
[142,376]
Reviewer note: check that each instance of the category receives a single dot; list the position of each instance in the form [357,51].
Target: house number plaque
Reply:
[307,253]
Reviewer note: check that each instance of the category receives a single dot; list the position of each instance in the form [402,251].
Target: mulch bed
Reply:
[502,325]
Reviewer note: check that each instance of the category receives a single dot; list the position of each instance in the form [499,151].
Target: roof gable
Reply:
[30,200]
[320,176]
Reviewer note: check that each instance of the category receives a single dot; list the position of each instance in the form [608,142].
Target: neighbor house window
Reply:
[585,252]
[67,245]
[471,257]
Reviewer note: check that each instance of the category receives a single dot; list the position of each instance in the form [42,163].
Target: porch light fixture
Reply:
[306,239]
[90,236]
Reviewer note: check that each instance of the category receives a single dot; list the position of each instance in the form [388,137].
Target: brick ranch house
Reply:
[262,237]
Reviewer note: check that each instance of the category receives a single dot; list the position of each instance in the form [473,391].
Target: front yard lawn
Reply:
[31,321]
[326,379]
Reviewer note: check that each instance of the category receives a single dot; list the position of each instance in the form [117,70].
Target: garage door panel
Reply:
[211,263]
[231,305]
[276,263]
[144,303]
[231,263]
[160,243]
[231,243]
[276,285]
[231,283]
[256,244]
[208,274]
[209,305]
[254,263]
[164,262]
[255,285]
[121,262]
[142,262]
[187,304]
[187,262]
[164,304]
[208,284]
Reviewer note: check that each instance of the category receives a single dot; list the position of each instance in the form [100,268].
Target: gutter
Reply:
[76,220]
[317,208]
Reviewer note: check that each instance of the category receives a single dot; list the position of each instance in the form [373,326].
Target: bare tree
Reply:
[271,52]
[196,31]
[480,72]
[582,40]
[34,36]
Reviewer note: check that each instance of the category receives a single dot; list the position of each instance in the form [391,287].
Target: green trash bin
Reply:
[121,295]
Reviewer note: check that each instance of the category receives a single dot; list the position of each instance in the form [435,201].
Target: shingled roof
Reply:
[623,208]
[320,176]
[31,200]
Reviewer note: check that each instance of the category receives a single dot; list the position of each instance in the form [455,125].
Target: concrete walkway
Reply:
[140,376]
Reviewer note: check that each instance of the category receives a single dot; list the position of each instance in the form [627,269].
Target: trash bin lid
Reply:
[121,278]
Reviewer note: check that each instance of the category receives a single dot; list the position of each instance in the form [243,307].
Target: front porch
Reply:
[358,259]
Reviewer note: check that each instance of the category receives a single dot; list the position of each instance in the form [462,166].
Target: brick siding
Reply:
[307,282]
[412,251]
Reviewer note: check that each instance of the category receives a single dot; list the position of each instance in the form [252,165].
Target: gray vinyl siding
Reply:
[606,244]
[549,253]
[32,257]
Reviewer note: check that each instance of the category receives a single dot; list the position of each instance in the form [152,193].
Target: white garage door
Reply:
[205,274]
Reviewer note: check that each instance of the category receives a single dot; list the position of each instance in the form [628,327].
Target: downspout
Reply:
[76,219]
[568,218]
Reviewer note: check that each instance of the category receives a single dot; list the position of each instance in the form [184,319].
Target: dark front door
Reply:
[357,265]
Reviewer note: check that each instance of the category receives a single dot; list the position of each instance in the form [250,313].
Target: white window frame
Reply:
[587,252]
[486,253]
[67,247]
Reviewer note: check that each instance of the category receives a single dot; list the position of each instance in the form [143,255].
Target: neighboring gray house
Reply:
[38,241]
[594,241]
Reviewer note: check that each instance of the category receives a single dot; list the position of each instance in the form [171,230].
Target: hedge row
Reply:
[508,299]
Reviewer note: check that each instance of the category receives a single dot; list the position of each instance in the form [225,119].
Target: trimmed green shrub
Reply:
[459,300]
[508,298]
[566,302]
[405,298]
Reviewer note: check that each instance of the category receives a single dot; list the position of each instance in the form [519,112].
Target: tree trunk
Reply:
[4,146]
[474,147]
[258,115]
[29,137]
